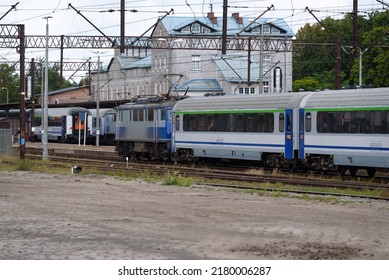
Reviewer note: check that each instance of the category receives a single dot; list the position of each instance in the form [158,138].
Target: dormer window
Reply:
[266,28]
[275,30]
[196,28]
[206,30]
[186,29]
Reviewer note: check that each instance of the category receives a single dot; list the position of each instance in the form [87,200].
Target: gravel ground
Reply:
[46,216]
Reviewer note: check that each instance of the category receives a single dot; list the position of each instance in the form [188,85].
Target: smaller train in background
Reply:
[65,124]
[68,125]
[107,124]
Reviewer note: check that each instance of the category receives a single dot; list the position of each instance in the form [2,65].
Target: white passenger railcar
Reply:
[257,127]
[345,129]
[107,123]
[68,124]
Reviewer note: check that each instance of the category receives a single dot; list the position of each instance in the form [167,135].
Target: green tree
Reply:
[314,54]
[375,48]
[307,84]
[54,78]
[9,84]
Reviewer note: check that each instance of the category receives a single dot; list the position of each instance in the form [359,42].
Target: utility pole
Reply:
[360,64]
[355,28]
[45,148]
[22,132]
[122,25]
[224,31]
[32,69]
[98,102]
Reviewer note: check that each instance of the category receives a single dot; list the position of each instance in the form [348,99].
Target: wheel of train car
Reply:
[341,170]
[371,171]
[322,171]
[353,171]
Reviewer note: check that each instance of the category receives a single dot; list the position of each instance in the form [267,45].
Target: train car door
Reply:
[63,128]
[289,133]
[301,133]
[156,123]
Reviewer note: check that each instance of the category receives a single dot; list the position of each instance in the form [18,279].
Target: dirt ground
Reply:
[46,216]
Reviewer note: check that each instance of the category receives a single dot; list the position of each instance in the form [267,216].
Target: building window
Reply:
[266,28]
[196,62]
[186,29]
[196,28]
[266,86]
[266,63]
[275,30]
[247,90]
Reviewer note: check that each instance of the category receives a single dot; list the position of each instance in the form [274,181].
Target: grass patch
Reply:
[24,165]
[177,180]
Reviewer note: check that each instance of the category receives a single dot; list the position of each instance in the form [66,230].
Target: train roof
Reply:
[14,113]
[147,105]
[340,99]
[263,102]
[102,112]
[63,111]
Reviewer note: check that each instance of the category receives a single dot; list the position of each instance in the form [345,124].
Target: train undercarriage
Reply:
[144,150]
[317,163]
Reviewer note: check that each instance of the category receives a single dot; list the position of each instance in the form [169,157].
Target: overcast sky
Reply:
[66,21]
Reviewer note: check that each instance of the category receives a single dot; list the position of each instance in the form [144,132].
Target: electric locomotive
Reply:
[143,129]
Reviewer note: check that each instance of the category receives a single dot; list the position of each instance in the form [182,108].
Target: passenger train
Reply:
[68,124]
[107,124]
[64,125]
[330,131]
[325,131]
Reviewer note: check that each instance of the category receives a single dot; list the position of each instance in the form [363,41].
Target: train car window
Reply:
[260,122]
[222,122]
[163,115]
[135,115]
[376,121]
[346,122]
[239,123]
[177,123]
[386,123]
[210,122]
[38,121]
[252,122]
[150,115]
[269,123]
[281,122]
[185,122]
[362,122]
[308,122]
[321,122]
[141,115]
[202,123]
[54,121]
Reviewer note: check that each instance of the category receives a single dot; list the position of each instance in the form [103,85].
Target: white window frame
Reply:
[196,28]
[196,62]
[247,90]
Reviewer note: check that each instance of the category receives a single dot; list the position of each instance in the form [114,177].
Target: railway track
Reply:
[91,160]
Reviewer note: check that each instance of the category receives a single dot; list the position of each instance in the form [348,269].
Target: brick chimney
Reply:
[212,18]
[238,19]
